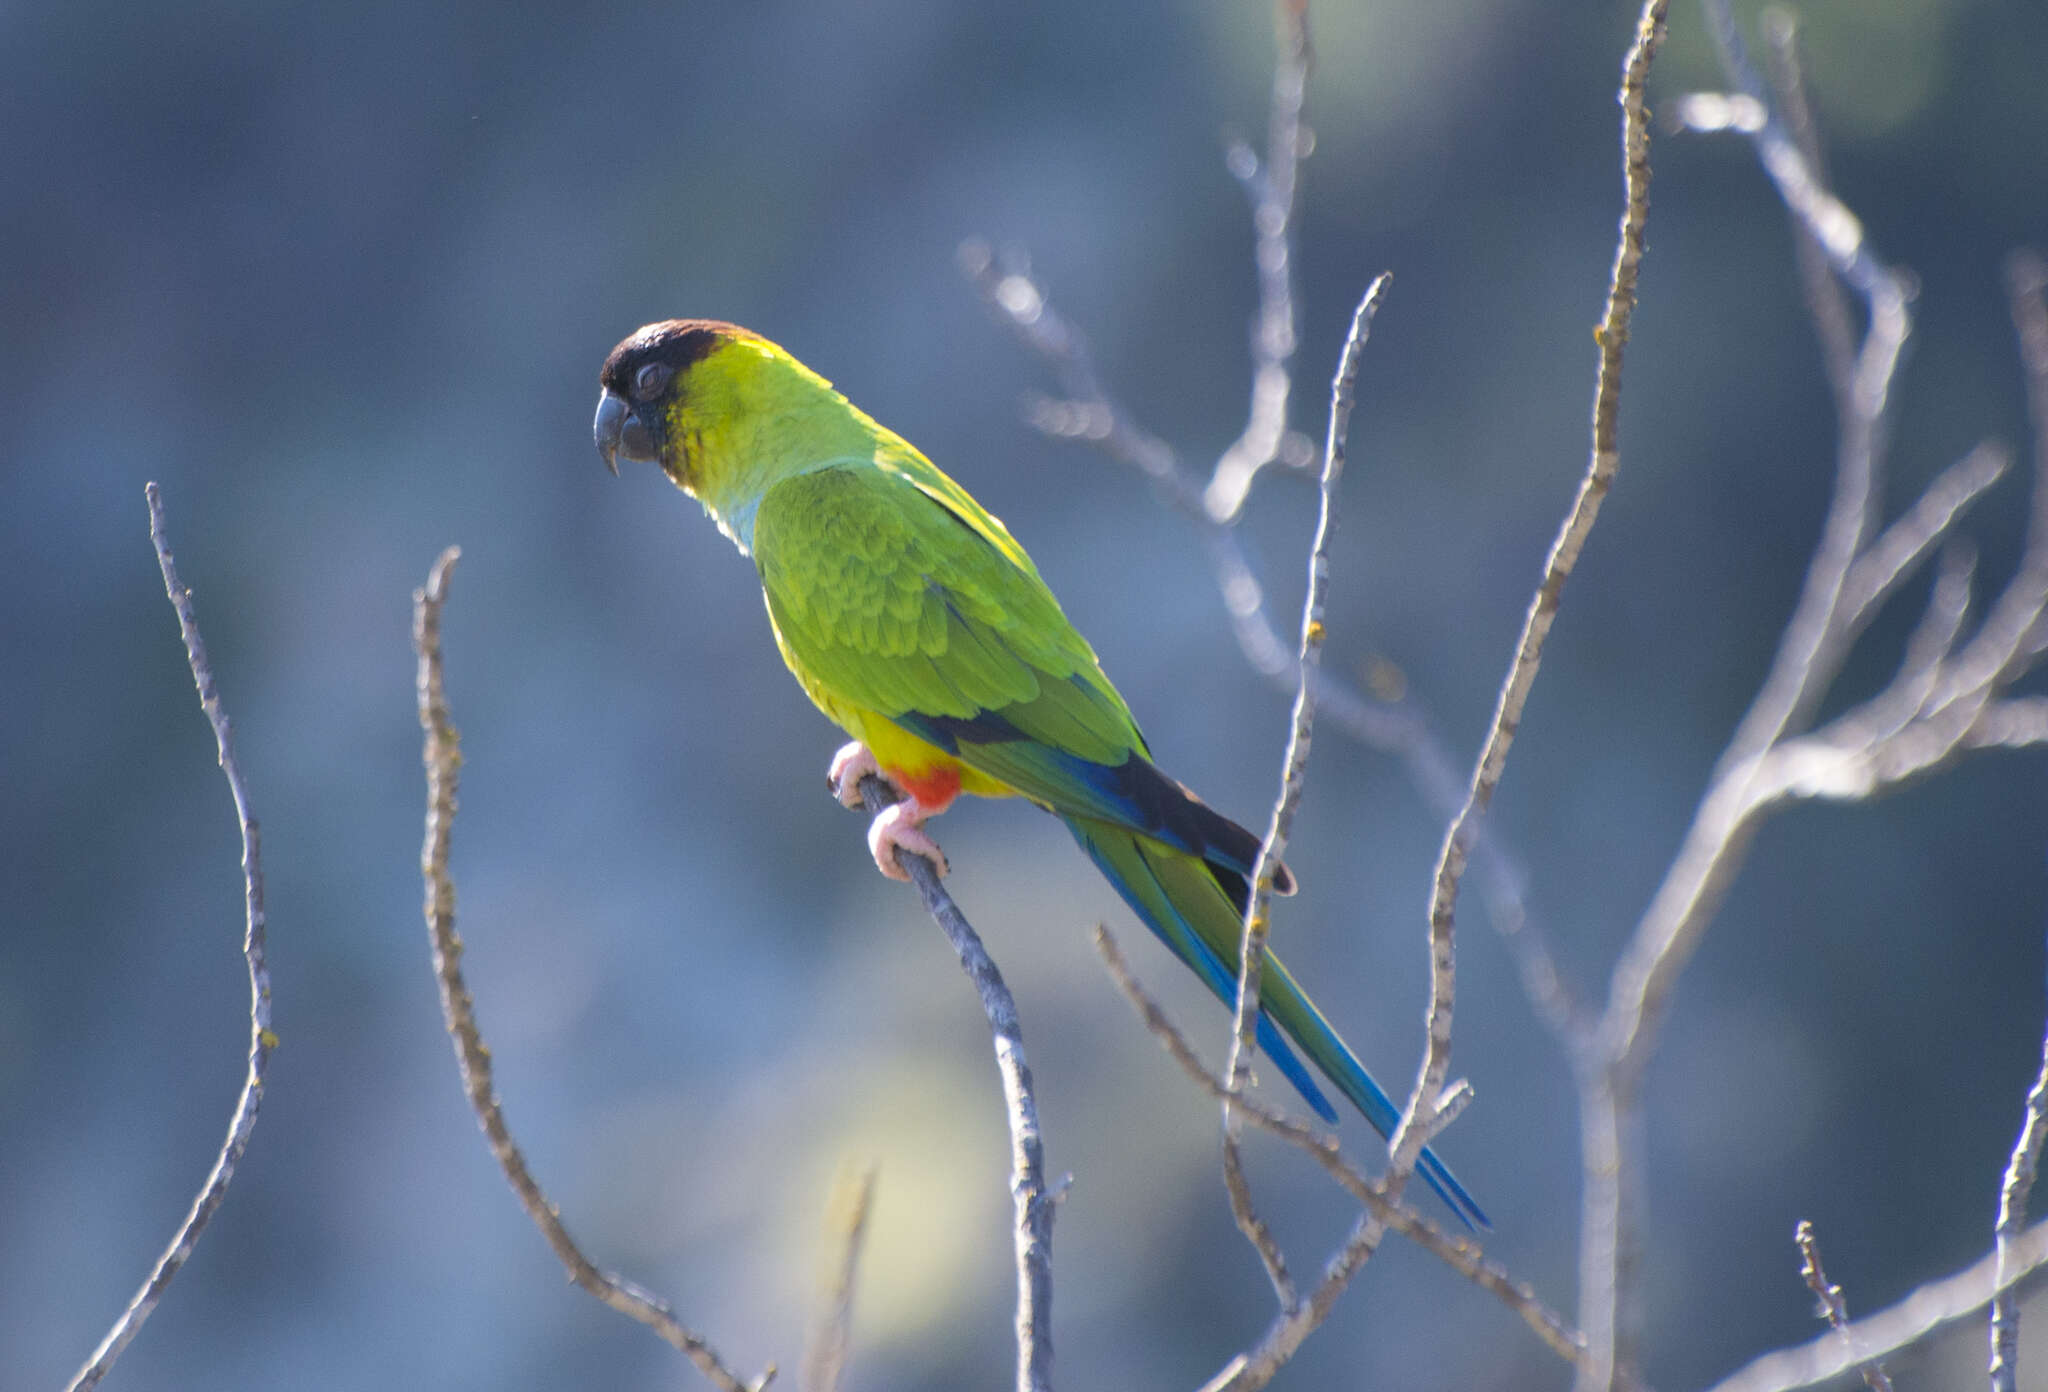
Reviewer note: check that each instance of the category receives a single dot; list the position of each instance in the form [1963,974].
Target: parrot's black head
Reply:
[642,376]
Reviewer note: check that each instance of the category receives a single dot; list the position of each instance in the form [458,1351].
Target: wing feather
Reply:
[898,594]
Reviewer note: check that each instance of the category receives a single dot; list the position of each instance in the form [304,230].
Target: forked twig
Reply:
[1923,1312]
[1420,1119]
[242,1124]
[1948,698]
[1293,776]
[1272,188]
[1458,1253]
[1832,1308]
[442,757]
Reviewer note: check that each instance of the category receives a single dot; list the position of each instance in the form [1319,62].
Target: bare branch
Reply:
[1297,1320]
[1032,1231]
[442,757]
[2013,632]
[1920,667]
[2019,722]
[1832,1308]
[1816,638]
[1089,413]
[2012,1216]
[846,1225]
[1272,189]
[1309,652]
[242,1123]
[1421,1118]
[1900,548]
[1920,1314]
[1941,704]
[1458,1253]
[1294,770]
[1244,1211]
[1824,298]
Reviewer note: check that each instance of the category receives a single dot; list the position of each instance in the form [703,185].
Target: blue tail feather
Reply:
[1156,908]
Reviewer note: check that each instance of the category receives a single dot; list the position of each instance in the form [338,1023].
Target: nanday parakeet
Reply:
[915,621]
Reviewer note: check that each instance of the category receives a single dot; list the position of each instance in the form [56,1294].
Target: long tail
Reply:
[1182,901]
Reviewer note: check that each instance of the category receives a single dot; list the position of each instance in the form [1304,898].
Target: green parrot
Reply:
[915,621]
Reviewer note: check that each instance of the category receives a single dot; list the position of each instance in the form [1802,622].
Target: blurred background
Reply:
[341,279]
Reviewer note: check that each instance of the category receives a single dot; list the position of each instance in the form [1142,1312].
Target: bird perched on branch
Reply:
[918,624]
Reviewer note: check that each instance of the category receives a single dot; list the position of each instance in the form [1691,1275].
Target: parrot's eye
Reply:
[650,379]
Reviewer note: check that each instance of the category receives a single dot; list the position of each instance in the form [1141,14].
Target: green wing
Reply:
[894,591]
[927,612]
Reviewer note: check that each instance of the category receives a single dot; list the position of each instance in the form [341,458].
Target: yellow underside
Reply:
[899,751]
[895,748]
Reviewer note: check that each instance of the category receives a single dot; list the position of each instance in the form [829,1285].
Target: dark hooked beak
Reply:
[619,432]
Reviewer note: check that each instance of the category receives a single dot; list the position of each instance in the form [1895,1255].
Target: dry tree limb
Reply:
[1948,698]
[1272,190]
[1824,298]
[846,1224]
[1459,1253]
[1923,1312]
[242,1124]
[1817,638]
[2012,1215]
[1421,1118]
[1294,770]
[1831,1307]
[1032,1231]
[1424,1112]
[1244,1212]
[442,757]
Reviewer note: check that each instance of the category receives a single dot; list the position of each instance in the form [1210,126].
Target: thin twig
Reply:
[442,757]
[1900,548]
[1459,1253]
[1420,1119]
[1941,704]
[1031,1232]
[1832,1308]
[1295,1316]
[1245,1213]
[1920,1314]
[846,1224]
[1816,639]
[1272,188]
[254,942]
[1824,298]
[2012,1216]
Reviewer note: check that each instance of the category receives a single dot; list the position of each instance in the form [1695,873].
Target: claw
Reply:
[852,763]
[900,827]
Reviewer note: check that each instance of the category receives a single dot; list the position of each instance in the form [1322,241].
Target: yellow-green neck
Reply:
[747,416]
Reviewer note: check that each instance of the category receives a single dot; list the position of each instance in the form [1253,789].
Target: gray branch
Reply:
[1032,1231]
[1832,1308]
[242,1124]
[1925,1311]
[2012,1216]
[441,755]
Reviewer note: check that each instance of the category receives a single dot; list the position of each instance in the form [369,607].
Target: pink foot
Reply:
[900,827]
[852,763]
